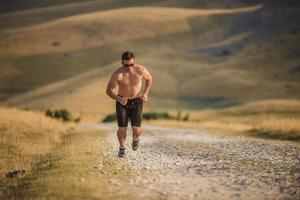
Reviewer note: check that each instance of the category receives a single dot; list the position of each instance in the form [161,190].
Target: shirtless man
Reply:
[129,100]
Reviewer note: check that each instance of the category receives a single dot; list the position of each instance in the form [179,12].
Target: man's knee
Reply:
[122,129]
[136,128]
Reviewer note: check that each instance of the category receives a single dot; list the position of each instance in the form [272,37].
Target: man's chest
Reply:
[130,79]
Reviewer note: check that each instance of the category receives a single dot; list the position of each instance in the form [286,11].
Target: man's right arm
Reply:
[112,84]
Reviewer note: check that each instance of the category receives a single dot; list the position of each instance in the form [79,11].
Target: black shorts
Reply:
[133,110]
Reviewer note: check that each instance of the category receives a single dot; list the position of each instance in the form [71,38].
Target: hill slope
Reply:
[201,57]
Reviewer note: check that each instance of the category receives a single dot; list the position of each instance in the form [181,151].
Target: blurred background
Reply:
[224,67]
[202,54]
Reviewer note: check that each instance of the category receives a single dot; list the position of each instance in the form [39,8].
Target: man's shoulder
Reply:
[140,68]
[119,70]
[117,73]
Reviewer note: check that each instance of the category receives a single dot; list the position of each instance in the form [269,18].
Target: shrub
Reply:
[178,117]
[186,117]
[63,114]
[49,113]
[156,115]
[77,119]
[110,118]
[146,116]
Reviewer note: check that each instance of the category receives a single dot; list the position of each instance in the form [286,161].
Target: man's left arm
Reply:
[148,78]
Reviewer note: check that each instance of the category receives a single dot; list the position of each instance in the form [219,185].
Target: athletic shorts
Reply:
[133,110]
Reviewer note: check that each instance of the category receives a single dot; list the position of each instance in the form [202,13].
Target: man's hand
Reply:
[122,100]
[144,97]
[146,76]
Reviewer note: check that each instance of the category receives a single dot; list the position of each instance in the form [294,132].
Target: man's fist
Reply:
[122,101]
[144,97]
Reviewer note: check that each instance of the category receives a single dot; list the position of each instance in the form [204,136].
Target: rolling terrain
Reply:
[204,57]
[43,158]
[232,67]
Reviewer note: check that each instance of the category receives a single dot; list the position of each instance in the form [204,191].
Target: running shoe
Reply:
[121,153]
[135,144]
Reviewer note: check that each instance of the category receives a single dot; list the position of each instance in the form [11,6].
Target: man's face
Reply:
[128,64]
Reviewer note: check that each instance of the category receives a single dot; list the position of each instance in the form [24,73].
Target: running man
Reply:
[130,98]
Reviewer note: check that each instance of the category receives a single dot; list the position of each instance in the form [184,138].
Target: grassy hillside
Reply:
[16,14]
[44,158]
[16,5]
[272,119]
[24,134]
[219,55]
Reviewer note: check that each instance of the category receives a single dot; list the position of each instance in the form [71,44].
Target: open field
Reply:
[24,134]
[272,119]
[221,58]
[46,159]
[229,59]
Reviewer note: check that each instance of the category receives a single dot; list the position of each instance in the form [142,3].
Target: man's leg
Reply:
[122,136]
[137,131]
[136,121]
[122,118]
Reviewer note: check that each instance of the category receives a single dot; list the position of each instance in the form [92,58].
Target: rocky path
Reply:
[175,163]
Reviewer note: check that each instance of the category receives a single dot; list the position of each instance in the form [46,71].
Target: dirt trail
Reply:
[191,164]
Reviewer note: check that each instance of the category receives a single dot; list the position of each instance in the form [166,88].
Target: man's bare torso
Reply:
[130,81]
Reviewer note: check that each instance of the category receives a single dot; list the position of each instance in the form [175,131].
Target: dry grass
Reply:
[81,95]
[164,39]
[25,134]
[91,102]
[275,119]
[60,160]
[99,28]
[170,32]
[285,127]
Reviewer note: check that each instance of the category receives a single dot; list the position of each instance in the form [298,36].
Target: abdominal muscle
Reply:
[130,92]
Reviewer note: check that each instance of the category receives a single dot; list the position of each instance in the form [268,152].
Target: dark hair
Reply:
[127,55]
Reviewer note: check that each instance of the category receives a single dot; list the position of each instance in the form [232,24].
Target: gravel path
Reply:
[191,164]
